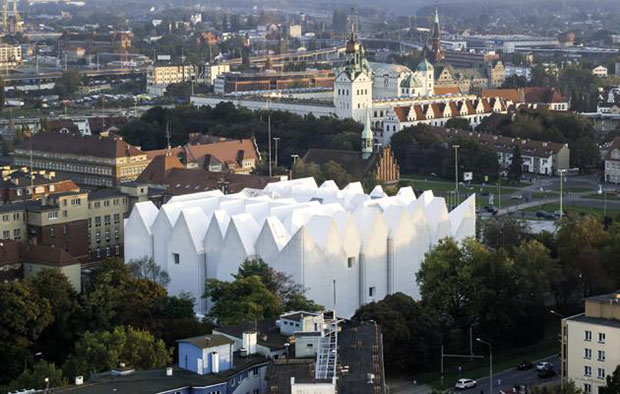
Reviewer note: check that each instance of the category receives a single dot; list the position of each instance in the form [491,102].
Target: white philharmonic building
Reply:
[346,248]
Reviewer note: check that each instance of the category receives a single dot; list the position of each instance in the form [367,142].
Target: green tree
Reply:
[103,350]
[515,170]
[334,171]
[447,282]
[240,300]
[612,385]
[36,378]
[68,83]
[458,123]
[146,268]
[244,299]
[503,232]
[58,337]
[411,335]
[580,242]
[23,317]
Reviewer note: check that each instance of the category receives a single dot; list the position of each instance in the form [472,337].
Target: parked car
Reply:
[524,365]
[463,384]
[556,214]
[517,196]
[544,215]
[491,209]
[543,365]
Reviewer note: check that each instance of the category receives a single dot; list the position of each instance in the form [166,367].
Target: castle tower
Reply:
[353,83]
[367,137]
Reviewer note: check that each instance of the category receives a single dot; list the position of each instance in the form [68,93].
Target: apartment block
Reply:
[590,343]
[99,161]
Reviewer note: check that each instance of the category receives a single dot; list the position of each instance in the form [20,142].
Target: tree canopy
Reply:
[257,292]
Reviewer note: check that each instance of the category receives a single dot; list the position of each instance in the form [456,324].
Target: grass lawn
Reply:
[574,209]
[503,359]
[601,197]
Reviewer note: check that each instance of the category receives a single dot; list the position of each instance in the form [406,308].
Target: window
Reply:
[90,222]
[6,234]
[17,234]
[371,291]
[116,233]
[350,262]
[107,251]
[176,258]
[52,215]
[98,252]
[601,373]
[601,337]
[117,218]
[587,353]
[587,371]
[65,230]
[587,388]
[587,335]
[51,232]
[601,355]
[97,221]
[309,345]
[98,236]
[117,250]
[107,235]
[107,220]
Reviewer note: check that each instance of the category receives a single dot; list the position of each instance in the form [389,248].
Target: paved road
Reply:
[506,379]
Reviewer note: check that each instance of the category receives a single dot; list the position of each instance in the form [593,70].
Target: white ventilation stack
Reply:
[215,362]
[169,371]
[249,341]
[79,380]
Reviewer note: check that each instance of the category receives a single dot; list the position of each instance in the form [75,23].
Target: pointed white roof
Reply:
[146,212]
[278,232]
[247,229]
[197,224]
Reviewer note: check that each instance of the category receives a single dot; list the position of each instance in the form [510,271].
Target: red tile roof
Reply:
[445,90]
[108,147]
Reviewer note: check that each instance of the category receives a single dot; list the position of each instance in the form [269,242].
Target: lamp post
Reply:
[276,139]
[490,363]
[561,193]
[456,173]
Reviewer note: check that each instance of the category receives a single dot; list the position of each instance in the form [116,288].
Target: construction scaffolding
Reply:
[327,354]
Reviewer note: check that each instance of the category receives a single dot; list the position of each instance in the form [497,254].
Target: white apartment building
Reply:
[612,162]
[206,74]
[159,77]
[590,343]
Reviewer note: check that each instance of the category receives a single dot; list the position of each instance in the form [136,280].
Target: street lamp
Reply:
[276,139]
[490,362]
[456,172]
[561,192]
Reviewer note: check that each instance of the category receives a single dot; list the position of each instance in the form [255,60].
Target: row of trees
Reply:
[423,149]
[501,288]
[123,314]
[297,134]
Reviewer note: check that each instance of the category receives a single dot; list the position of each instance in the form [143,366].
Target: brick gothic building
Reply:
[379,163]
